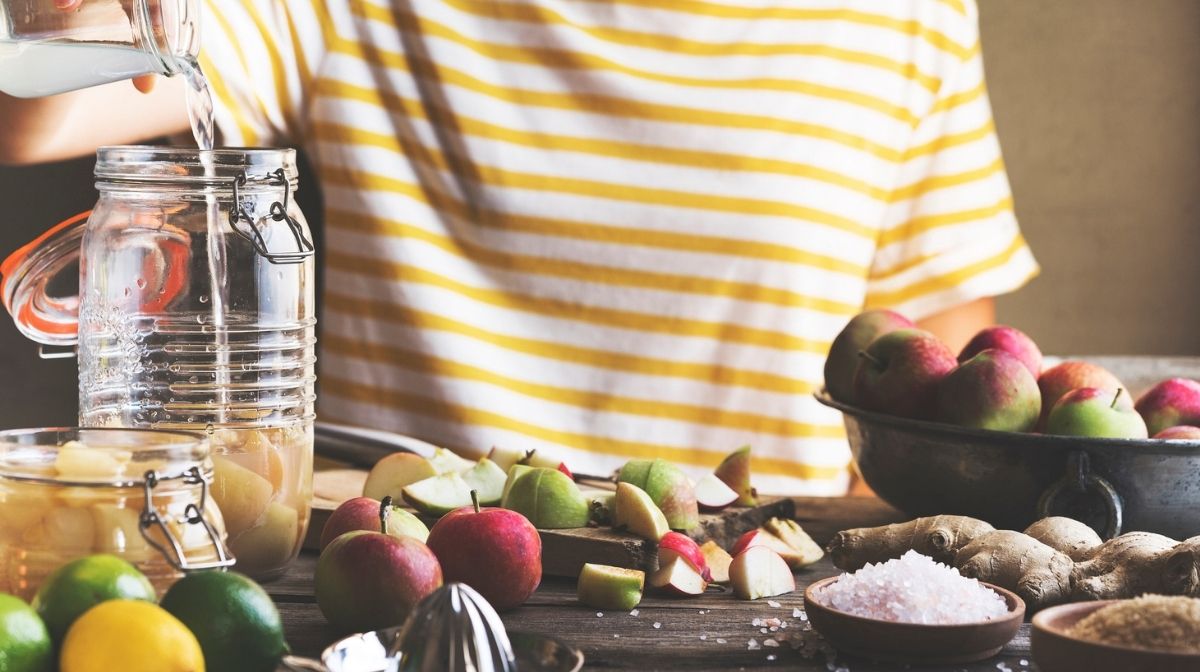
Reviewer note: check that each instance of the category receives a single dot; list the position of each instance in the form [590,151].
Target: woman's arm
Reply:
[74,124]
[957,325]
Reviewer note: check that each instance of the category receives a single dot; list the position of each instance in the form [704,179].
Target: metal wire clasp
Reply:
[239,212]
[193,515]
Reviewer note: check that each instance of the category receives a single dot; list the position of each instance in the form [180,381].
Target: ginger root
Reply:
[939,537]
[1054,560]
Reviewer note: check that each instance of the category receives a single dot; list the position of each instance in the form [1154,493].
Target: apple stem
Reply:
[385,510]
[870,358]
[475,500]
[1116,397]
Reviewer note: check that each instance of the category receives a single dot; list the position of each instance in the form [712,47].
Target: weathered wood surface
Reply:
[686,638]
[565,551]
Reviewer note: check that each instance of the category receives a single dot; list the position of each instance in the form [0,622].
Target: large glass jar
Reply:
[137,494]
[195,311]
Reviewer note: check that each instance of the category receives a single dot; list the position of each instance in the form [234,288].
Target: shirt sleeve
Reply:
[259,57]
[949,235]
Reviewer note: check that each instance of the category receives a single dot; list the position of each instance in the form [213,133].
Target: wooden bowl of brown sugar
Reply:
[1059,646]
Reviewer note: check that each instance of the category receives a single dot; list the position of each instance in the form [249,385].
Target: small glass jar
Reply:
[138,494]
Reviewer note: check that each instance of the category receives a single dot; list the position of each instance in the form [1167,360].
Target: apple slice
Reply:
[607,587]
[758,572]
[546,459]
[718,561]
[734,470]
[675,545]
[438,495]
[795,546]
[487,480]
[505,457]
[679,578]
[712,494]
[634,510]
[242,495]
[514,472]
[391,473]
[445,462]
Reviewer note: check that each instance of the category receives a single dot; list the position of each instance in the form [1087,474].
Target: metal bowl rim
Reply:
[988,438]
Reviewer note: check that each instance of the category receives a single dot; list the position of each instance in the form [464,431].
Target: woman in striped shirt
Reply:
[608,228]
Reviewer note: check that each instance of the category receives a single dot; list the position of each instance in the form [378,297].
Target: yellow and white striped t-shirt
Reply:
[623,228]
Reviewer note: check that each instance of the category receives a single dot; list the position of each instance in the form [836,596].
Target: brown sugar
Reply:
[1148,622]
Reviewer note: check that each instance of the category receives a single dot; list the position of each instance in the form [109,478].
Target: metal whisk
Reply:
[454,630]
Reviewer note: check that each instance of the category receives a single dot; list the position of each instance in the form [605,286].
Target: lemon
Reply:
[130,636]
[236,622]
[81,584]
[24,641]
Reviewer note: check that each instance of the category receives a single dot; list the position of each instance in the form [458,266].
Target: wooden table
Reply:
[710,632]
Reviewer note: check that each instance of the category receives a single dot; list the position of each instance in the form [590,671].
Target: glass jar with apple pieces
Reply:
[195,311]
[138,494]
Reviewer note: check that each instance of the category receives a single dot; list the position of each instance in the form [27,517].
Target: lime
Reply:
[24,641]
[81,584]
[130,636]
[235,620]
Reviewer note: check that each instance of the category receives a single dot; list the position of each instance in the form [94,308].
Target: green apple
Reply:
[438,495]
[668,487]
[445,462]
[607,587]
[1097,413]
[392,472]
[514,472]
[364,513]
[734,470]
[635,511]
[487,480]
[548,499]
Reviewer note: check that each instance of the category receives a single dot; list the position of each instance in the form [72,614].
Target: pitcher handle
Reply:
[48,320]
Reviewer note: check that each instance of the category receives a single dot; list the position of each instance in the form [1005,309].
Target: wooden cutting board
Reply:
[565,551]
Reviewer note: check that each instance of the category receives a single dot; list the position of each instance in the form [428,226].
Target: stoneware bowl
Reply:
[912,642]
[1056,651]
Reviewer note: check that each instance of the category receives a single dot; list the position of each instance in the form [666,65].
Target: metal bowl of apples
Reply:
[1011,479]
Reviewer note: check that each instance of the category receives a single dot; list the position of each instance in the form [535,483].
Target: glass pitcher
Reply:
[45,50]
[183,326]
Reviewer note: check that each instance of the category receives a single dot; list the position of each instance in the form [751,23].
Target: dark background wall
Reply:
[1098,108]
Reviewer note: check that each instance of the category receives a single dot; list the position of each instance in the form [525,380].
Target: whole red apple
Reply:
[1072,375]
[1009,339]
[1096,413]
[992,390]
[370,580]
[364,513]
[855,336]
[899,373]
[1175,401]
[495,551]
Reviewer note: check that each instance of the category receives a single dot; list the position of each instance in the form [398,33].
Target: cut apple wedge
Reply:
[712,494]
[635,511]
[784,537]
[505,457]
[734,470]
[549,499]
[675,545]
[759,572]
[446,462]
[600,504]
[514,472]
[392,472]
[606,587]
[678,577]
[487,480]
[547,460]
[438,495]
[718,561]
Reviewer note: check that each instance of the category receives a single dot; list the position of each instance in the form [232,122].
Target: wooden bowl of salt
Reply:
[1056,649]
[895,641]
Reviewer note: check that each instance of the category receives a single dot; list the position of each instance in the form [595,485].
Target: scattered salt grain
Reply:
[721,640]
[763,630]
[657,625]
[796,613]
[753,645]
[703,637]
[913,589]
[770,642]
[756,622]
[599,614]
[771,657]
[615,636]
[634,612]
[773,603]
[772,622]
[1023,662]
